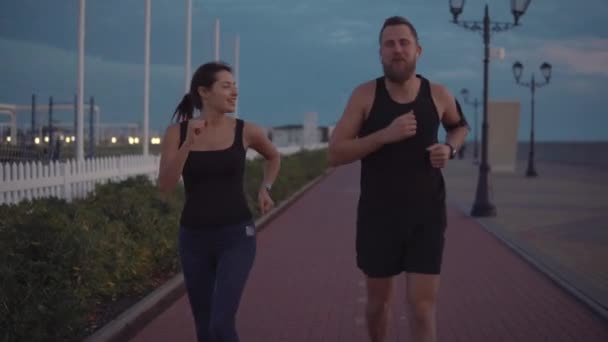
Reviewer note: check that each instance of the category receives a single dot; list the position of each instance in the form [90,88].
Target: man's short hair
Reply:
[397,20]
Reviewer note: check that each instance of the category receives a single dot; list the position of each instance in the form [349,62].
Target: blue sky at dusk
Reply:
[301,56]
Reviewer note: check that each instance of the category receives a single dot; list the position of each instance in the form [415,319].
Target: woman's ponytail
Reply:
[184,110]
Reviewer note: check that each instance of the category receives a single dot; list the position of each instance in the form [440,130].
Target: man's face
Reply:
[399,51]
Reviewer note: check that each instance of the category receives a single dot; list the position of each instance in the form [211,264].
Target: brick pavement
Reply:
[560,219]
[305,287]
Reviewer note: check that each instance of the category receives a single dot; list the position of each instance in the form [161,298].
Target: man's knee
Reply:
[422,312]
[377,307]
[379,294]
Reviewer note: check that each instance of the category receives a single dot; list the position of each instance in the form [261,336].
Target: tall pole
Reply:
[217,40]
[50,130]
[75,116]
[13,129]
[482,205]
[146,137]
[80,94]
[188,43]
[74,146]
[97,125]
[33,130]
[237,44]
[531,171]
[92,127]
[546,70]
[475,142]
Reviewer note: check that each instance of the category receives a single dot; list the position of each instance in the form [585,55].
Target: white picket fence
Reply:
[72,179]
[69,179]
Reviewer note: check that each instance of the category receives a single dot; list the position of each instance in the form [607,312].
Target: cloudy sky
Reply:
[304,55]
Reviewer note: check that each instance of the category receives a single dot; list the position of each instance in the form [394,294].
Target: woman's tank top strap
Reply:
[238,134]
[183,130]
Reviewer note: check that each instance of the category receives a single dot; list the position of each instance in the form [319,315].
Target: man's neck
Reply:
[404,91]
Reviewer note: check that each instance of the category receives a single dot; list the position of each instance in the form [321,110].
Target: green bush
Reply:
[61,263]
[66,268]
[296,171]
[39,249]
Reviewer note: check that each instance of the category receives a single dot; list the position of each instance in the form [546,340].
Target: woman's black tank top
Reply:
[213,182]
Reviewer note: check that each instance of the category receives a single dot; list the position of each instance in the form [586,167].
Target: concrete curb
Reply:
[590,303]
[124,327]
[129,323]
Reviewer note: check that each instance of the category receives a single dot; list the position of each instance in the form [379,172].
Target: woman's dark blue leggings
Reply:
[216,265]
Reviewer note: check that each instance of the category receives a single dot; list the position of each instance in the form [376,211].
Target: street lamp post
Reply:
[146,137]
[237,55]
[475,103]
[216,41]
[482,205]
[545,69]
[188,44]
[80,92]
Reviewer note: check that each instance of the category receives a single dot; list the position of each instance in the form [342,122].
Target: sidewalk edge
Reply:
[589,302]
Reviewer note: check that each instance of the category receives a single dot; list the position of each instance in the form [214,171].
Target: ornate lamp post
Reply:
[482,205]
[545,69]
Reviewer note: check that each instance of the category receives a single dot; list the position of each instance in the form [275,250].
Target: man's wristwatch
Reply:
[268,186]
[452,150]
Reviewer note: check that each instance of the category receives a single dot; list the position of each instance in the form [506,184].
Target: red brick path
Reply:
[305,287]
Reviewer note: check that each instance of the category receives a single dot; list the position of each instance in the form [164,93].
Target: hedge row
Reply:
[68,268]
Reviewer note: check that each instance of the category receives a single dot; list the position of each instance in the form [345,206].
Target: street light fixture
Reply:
[482,205]
[518,8]
[545,69]
[475,103]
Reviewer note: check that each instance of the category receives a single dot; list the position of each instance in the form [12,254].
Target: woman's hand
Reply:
[195,127]
[265,202]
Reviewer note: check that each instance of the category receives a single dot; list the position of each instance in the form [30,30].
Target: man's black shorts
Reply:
[385,250]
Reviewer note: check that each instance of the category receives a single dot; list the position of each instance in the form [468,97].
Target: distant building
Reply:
[306,134]
[289,135]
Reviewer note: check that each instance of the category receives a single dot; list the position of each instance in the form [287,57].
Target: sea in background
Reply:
[584,153]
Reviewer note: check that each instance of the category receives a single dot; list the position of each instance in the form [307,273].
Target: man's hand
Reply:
[264,200]
[401,128]
[439,155]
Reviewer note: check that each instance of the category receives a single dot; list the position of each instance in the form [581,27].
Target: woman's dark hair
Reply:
[204,76]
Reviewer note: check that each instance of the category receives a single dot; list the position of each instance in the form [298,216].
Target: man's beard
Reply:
[397,74]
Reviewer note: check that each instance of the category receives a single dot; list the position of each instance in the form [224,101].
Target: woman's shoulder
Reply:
[252,129]
[248,125]
[174,128]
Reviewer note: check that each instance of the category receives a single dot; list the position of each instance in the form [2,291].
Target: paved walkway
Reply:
[560,218]
[305,286]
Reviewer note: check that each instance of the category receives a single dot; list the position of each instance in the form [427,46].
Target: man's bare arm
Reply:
[453,120]
[344,145]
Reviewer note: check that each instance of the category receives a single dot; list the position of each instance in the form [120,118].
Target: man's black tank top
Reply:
[213,182]
[398,183]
